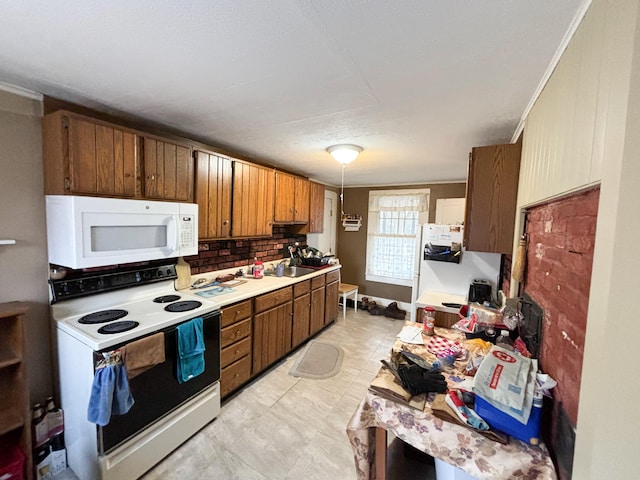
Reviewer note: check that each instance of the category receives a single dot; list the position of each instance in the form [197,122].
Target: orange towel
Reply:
[143,354]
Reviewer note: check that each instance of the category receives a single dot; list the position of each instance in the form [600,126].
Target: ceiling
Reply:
[416,83]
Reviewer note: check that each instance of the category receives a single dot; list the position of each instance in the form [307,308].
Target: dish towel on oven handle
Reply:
[110,393]
[190,361]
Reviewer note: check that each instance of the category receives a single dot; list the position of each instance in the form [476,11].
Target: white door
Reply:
[326,241]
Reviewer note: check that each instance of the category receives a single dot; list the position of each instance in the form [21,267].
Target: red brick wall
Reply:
[222,254]
[557,276]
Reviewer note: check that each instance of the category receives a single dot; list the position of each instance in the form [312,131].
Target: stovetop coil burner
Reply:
[117,327]
[183,306]
[103,316]
[166,298]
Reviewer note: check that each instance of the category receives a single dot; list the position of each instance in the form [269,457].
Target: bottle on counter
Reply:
[504,340]
[428,320]
[258,269]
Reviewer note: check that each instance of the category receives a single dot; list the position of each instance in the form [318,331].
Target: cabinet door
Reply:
[253,197]
[301,204]
[492,189]
[317,310]
[301,319]
[285,198]
[271,336]
[168,171]
[316,207]
[102,159]
[331,307]
[213,195]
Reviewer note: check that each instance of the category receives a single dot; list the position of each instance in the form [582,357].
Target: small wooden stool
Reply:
[346,289]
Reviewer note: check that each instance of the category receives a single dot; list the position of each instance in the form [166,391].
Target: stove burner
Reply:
[117,327]
[182,306]
[103,316]
[166,298]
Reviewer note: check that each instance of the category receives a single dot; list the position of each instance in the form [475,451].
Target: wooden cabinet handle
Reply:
[237,333]
[226,222]
[151,177]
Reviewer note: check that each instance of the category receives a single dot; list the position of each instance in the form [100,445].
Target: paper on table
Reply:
[411,334]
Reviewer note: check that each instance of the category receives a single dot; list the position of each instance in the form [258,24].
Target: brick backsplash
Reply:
[222,254]
[560,246]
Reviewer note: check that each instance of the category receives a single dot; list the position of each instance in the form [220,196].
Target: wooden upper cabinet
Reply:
[213,195]
[253,199]
[316,207]
[492,189]
[83,156]
[168,170]
[292,199]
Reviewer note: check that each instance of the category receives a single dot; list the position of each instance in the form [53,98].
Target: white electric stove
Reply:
[93,314]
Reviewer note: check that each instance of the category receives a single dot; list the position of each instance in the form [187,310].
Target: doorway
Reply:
[326,241]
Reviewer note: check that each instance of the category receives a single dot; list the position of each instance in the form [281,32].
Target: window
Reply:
[392,234]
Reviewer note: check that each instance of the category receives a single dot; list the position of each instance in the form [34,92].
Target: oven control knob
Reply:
[146,275]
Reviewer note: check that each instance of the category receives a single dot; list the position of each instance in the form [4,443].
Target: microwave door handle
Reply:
[172,222]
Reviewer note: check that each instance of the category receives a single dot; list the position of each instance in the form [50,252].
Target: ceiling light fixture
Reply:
[344,153]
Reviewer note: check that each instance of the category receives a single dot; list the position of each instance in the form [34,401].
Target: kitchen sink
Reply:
[291,272]
[294,272]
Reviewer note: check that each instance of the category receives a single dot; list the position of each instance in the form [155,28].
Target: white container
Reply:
[446,471]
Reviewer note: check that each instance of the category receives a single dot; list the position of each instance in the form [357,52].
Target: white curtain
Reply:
[391,234]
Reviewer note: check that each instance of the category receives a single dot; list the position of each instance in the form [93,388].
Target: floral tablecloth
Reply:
[454,444]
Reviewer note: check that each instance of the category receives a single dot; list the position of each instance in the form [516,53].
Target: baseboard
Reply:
[379,300]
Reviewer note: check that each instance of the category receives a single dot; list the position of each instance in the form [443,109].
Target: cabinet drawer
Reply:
[235,332]
[235,351]
[301,288]
[233,313]
[333,276]
[273,299]
[235,375]
[317,282]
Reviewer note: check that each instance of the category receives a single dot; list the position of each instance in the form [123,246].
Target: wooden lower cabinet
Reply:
[272,325]
[317,310]
[235,344]
[258,332]
[301,313]
[331,297]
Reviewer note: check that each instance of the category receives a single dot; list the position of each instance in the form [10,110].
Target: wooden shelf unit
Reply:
[15,425]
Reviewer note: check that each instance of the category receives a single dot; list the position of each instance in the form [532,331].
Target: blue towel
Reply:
[110,394]
[190,359]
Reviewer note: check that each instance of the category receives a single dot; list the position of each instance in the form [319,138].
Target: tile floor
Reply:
[283,428]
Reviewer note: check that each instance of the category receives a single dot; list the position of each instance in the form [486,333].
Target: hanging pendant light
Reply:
[345,154]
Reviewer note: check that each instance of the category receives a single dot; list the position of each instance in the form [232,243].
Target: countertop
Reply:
[435,300]
[253,286]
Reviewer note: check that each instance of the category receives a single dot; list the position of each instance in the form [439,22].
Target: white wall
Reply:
[24,266]
[583,130]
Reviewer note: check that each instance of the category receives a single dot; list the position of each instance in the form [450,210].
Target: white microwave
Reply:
[84,232]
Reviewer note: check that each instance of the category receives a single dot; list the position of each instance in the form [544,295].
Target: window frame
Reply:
[372,229]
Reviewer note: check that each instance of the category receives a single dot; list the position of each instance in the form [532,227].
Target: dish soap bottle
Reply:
[504,340]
